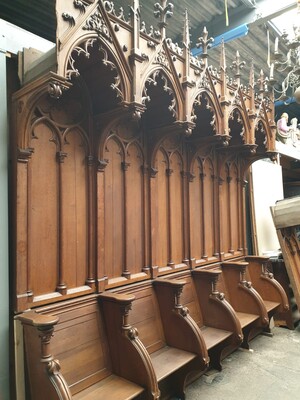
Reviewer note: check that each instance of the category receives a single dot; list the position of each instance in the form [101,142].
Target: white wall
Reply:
[12,39]
[267,189]
[4,283]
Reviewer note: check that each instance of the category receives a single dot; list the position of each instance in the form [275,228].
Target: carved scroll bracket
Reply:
[56,89]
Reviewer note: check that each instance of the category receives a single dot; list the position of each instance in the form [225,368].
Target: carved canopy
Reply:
[131,155]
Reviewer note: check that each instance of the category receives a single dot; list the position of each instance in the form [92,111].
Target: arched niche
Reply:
[57,188]
[203,209]
[159,98]
[167,200]
[204,117]
[122,198]
[98,69]
[236,128]
[231,209]
[261,138]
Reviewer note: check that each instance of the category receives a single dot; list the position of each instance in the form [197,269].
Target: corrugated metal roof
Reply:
[38,16]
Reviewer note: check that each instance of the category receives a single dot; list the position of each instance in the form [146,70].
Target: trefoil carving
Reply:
[96,23]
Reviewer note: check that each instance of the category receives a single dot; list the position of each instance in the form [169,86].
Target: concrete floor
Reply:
[270,372]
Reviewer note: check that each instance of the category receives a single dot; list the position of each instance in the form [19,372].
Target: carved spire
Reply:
[186,31]
[223,71]
[135,22]
[163,11]
[224,98]
[186,45]
[205,43]
[251,77]
[251,86]
[238,65]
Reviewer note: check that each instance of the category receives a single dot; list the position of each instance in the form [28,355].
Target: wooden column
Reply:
[126,221]
[100,276]
[90,281]
[171,263]
[229,180]
[62,237]
[204,252]
[23,285]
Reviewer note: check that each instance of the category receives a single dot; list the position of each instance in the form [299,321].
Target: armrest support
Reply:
[181,331]
[265,283]
[216,310]
[58,388]
[129,356]
[243,297]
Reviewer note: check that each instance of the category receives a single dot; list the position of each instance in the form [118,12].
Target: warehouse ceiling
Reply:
[248,26]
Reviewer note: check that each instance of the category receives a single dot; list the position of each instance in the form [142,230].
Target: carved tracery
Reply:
[204,115]
[236,128]
[160,99]
[122,193]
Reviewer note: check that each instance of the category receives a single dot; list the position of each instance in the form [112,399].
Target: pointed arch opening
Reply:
[159,98]
[96,67]
[260,138]
[204,116]
[236,128]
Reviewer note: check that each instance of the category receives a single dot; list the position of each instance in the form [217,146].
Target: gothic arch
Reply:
[83,47]
[240,135]
[168,85]
[211,105]
[261,136]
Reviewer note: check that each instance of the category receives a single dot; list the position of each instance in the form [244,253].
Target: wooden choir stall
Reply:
[131,272]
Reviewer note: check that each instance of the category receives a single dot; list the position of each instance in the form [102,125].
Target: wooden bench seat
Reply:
[69,354]
[246,318]
[213,336]
[168,360]
[272,293]
[246,301]
[271,306]
[214,316]
[113,387]
[172,338]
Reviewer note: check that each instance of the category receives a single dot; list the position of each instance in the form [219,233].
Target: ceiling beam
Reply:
[263,11]
[249,3]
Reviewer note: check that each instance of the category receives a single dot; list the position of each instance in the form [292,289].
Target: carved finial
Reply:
[205,43]
[163,11]
[262,83]
[237,65]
